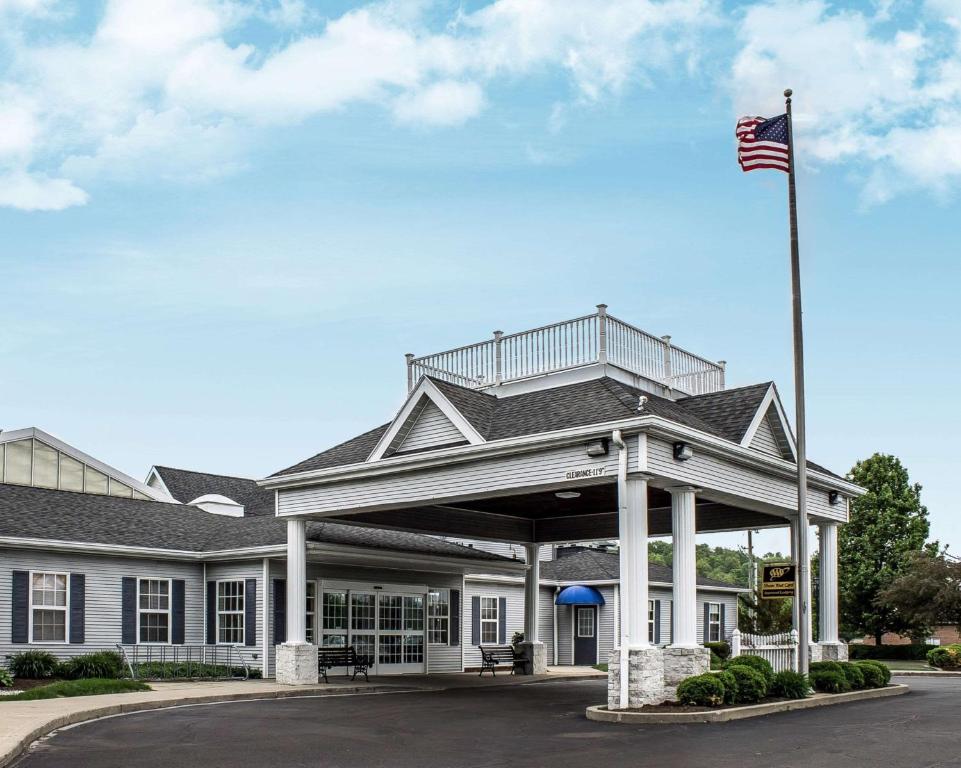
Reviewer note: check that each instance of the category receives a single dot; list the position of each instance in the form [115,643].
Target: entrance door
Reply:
[585,635]
[400,638]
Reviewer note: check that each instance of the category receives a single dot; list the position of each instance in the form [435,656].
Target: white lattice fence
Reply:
[780,649]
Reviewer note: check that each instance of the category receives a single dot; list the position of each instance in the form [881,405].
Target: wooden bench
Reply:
[492,655]
[329,657]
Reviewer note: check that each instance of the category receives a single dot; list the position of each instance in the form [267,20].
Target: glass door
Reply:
[363,626]
[400,634]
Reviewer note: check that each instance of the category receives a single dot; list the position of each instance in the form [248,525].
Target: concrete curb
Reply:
[602,714]
[96,712]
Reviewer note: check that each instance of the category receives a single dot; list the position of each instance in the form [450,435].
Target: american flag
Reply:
[762,143]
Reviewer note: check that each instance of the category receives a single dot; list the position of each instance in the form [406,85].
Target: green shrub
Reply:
[945,656]
[169,670]
[77,688]
[789,685]
[730,685]
[751,685]
[873,676]
[853,674]
[722,649]
[821,666]
[104,665]
[829,681]
[716,661]
[756,663]
[884,669]
[701,691]
[38,665]
[907,652]
[6,679]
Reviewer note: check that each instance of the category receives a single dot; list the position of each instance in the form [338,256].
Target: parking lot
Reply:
[533,725]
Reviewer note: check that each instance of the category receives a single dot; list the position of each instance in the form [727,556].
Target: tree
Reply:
[927,593]
[888,525]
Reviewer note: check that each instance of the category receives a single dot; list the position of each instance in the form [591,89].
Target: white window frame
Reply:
[589,610]
[310,611]
[442,619]
[169,610]
[711,623]
[651,621]
[65,608]
[242,612]
[495,621]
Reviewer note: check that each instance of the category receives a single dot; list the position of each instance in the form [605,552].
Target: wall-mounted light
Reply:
[682,451]
[597,447]
[833,497]
[568,494]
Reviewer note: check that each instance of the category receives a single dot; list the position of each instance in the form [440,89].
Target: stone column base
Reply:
[829,651]
[536,657]
[297,664]
[646,681]
[680,663]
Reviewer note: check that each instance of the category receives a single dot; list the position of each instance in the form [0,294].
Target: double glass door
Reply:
[386,627]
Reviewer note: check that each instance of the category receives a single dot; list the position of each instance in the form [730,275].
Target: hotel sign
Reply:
[778,580]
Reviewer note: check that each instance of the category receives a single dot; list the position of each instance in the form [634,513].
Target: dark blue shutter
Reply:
[211,612]
[501,620]
[250,612]
[128,610]
[657,622]
[475,620]
[20,606]
[280,611]
[178,596]
[453,636]
[723,636]
[78,593]
[707,622]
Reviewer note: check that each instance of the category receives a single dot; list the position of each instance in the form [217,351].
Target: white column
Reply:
[828,596]
[684,631]
[532,581]
[633,563]
[296,581]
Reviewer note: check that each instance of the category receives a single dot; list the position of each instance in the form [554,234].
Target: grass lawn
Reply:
[601,667]
[65,688]
[907,665]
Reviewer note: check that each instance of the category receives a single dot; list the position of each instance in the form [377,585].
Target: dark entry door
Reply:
[585,635]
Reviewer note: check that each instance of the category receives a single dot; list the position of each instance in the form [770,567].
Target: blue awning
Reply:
[579,595]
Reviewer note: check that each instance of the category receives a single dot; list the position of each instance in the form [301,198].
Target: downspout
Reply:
[623,671]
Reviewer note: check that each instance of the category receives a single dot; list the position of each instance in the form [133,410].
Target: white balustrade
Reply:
[779,649]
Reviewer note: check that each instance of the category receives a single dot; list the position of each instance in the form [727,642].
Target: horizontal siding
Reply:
[431,427]
[565,648]
[102,612]
[515,613]
[605,624]
[483,477]
[764,439]
[245,569]
[545,621]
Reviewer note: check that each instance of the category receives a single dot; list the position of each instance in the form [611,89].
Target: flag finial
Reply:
[787,93]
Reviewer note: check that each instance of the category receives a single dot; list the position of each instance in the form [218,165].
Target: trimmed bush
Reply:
[751,685]
[722,649]
[701,691]
[853,674]
[884,669]
[6,679]
[730,685]
[169,670]
[104,665]
[789,685]
[38,665]
[873,677]
[716,661]
[829,681]
[756,663]
[945,656]
[77,688]
[821,666]
[907,652]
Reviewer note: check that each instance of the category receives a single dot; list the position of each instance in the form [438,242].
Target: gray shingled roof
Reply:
[594,565]
[726,414]
[186,485]
[38,513]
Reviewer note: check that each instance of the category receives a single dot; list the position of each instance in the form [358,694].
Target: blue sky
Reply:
[223,224]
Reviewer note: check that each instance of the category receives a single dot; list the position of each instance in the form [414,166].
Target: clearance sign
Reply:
[778,580]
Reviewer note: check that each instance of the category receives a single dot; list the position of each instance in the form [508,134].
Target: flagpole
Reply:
[804,579]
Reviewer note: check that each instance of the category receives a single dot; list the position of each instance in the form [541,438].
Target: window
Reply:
[651,633]
[585,622]
[438,616]
[48,607]
[311,609]
[714,622]
[488,620]
[230,612]
[153,610]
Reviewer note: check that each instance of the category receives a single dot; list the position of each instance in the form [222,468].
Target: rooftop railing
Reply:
[592,339]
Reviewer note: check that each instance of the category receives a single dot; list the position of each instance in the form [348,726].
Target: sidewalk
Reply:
[23,722]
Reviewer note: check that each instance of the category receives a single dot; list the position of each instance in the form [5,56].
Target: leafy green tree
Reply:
[888,525]
[927,593]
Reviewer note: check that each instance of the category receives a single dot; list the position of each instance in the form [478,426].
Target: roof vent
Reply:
[218,505]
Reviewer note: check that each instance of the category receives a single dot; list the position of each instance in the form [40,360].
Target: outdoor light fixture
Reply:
[597,447]
[833,497]
[682,451]
[568,494]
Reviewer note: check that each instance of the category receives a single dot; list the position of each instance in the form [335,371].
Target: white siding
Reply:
[245,569]
[605,625]
[764,439]
[102,610]
[515,612]
[545,621]
[429,428]
[565,648]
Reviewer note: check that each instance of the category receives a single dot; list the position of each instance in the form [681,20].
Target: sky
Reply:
[222,224]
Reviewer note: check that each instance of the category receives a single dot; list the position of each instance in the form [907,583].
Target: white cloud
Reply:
[32,192]
[447,102]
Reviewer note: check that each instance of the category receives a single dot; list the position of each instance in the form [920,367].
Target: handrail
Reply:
[167,662]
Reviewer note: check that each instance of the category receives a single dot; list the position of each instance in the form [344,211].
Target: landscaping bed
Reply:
[70,688]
